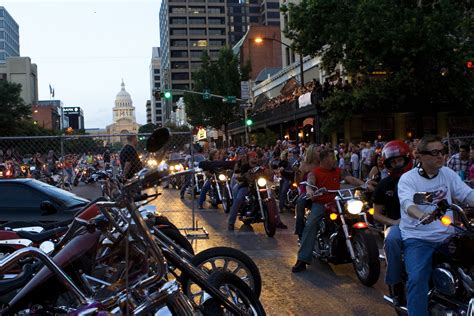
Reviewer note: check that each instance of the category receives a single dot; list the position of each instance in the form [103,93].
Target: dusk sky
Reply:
[84,48]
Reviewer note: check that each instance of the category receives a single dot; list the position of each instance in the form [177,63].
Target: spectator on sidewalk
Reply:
[355,162]
[459,162]
[129,159]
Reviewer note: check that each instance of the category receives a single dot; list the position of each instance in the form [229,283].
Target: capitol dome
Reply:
[123,98]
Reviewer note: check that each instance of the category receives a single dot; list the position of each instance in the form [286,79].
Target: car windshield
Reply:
[68,199]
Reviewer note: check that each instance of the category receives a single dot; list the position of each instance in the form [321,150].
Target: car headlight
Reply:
[261,182]
[222,177]
[354,206]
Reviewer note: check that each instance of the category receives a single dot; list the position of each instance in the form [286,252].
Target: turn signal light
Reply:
[371,211]
[333,216]
[446,220]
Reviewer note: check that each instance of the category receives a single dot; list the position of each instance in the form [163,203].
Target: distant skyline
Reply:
[83,49]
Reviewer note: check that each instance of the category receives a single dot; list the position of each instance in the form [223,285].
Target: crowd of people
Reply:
[318,91]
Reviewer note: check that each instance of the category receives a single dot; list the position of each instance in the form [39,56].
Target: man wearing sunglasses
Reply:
[420,241]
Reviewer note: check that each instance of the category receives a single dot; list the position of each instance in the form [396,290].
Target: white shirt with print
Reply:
[446,184]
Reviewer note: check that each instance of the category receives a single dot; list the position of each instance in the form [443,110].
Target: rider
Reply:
[397,158]
[213,155]
[240,189]
[420,241]
[328,176]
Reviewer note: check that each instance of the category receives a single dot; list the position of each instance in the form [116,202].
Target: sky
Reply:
[83,49]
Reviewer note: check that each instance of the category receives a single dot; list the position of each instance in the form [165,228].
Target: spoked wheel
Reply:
[223,259]
[366,262]
[270,213]
[236,291]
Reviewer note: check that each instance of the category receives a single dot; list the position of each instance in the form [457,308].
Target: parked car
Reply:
[30,200]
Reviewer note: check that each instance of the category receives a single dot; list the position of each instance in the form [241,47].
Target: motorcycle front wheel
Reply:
[225,259]
[236,291]
[270,212]
[366,262]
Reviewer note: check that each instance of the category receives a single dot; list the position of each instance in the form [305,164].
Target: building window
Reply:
[158,111]
[180,76]
[196,53]
[177,10]
[196,10]
[156,71]
[198,43]
[215,10]
[216,42]
[253,19]
[196,65]
[178,21]
[157,78]
[179,43]
[273,15]
[216,21]
[181,86]
[179,53]
[197,31]
[178,32]
[179,65]
[216,31]
[197,21]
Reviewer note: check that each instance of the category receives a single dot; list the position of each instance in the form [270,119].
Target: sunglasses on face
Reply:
[434,152]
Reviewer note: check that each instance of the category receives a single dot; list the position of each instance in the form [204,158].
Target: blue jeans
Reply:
[186,184]
[301,205]
[284,187]
[305,253]
[239,192]
[418,264]
[205,188]
[393,247]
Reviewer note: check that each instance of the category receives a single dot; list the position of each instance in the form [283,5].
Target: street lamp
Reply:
[260,40]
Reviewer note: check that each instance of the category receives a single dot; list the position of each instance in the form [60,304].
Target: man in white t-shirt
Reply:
[420,242]
[366,158]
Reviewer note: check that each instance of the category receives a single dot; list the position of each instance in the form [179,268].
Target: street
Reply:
[321,290]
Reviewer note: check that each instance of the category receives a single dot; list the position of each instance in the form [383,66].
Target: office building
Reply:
[48,114]
[148,112]
[21,70]
[156,110]
[75,116]
[9,36]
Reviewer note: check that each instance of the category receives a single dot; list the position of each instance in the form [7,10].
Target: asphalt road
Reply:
[323,289]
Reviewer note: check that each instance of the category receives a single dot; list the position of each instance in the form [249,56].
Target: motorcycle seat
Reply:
[39,237]
[9,285]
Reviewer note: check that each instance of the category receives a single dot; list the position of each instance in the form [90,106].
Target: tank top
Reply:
[330,179]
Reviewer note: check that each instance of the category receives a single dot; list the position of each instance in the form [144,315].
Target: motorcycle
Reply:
[451,285]
[220,191]
[344,236]
[260,205]
[125,231]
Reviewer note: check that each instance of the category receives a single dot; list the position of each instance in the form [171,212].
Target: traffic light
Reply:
[248,122]
[163,94]
[167,95]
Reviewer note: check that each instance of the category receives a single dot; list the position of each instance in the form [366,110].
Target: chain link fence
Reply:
[73,162]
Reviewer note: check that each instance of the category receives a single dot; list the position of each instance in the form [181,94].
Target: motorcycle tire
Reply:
[237,291]
[75,182]
[233,260]
[270,211]
[226,202]
[367,263]
[177,238]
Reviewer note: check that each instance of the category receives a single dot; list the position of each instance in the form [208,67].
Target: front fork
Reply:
[345,228]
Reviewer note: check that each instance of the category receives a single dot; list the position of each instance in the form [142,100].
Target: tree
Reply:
[14,113]
[147,128]
[221,77]
[421,47]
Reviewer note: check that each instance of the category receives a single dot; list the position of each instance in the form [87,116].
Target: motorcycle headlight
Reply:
[178,167]
[261,182]
[354,206]
[171,168]
[222,177]
[152,163]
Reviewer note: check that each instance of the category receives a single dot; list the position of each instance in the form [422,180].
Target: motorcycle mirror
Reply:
[158,139]
[47,247]
[423,198]
[48,207]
